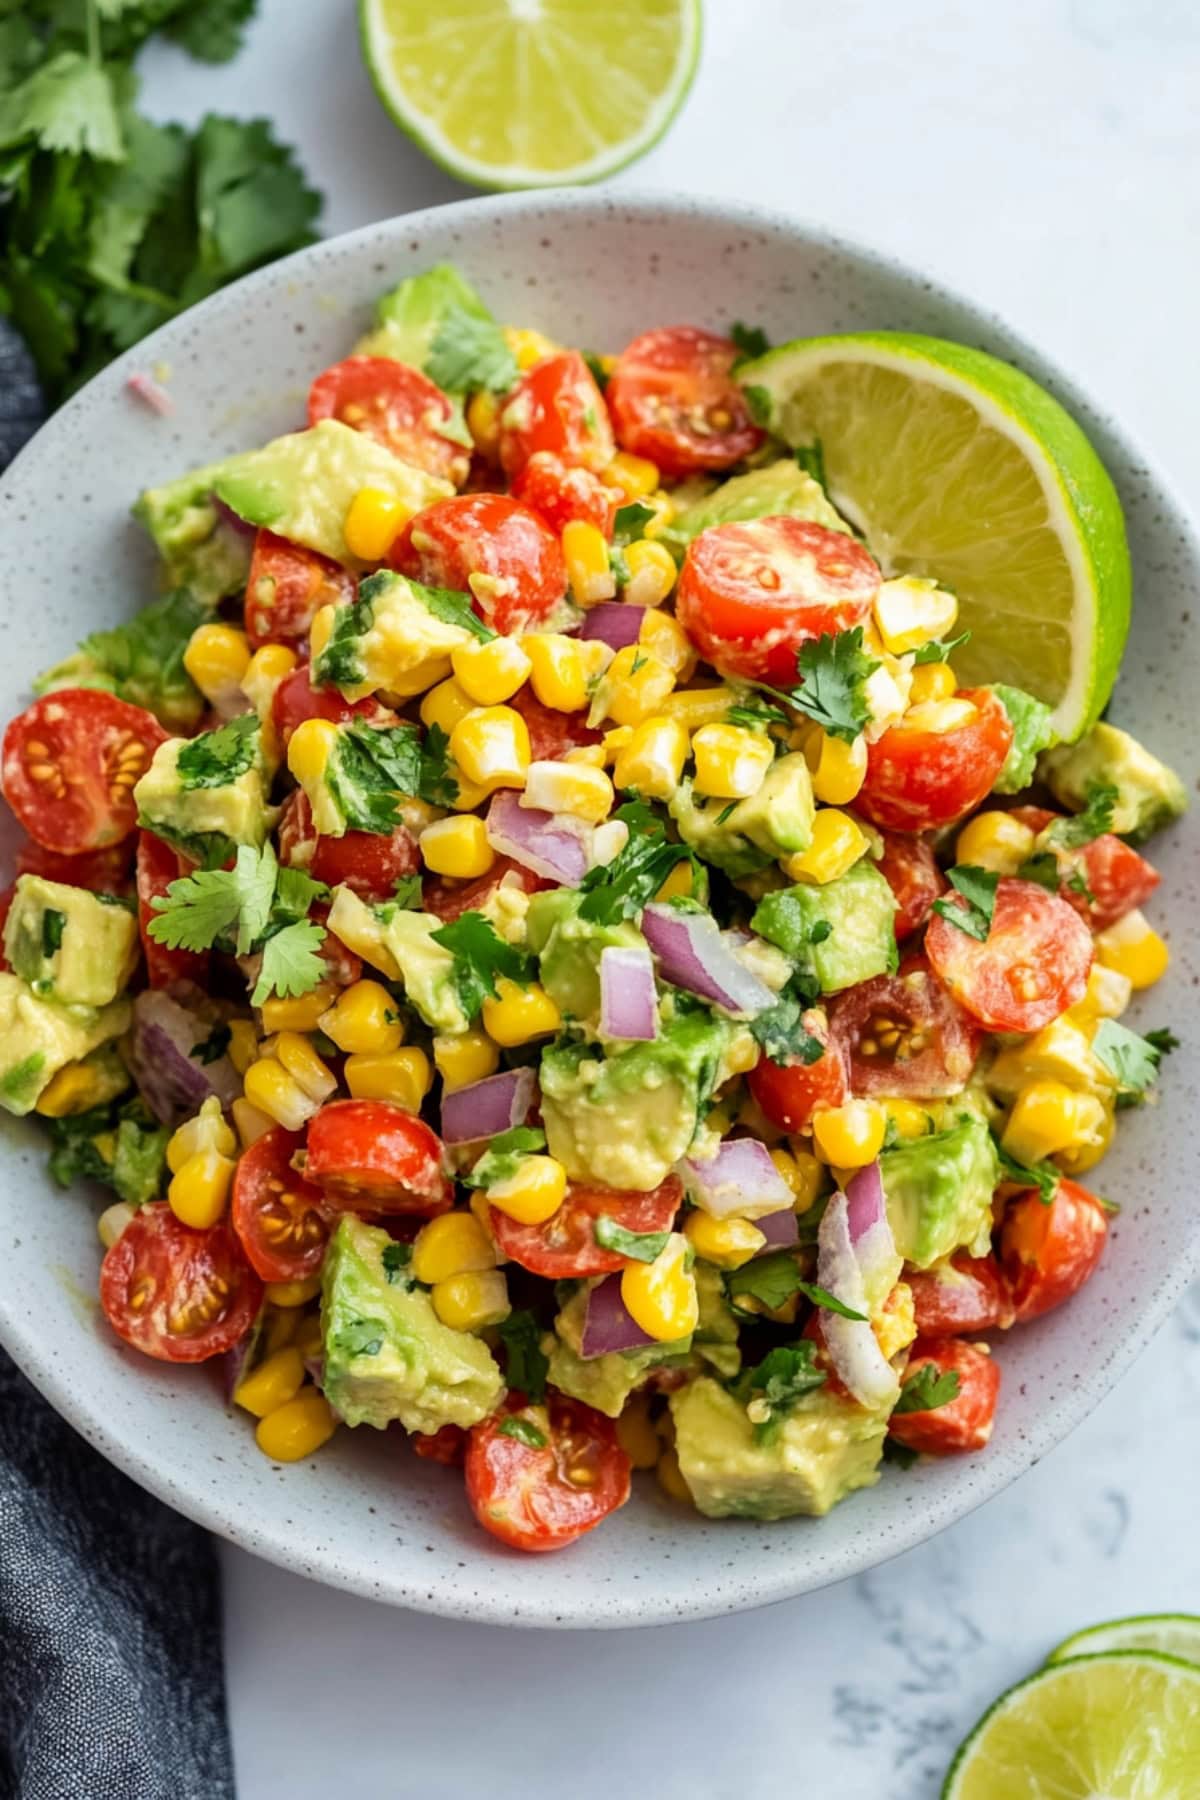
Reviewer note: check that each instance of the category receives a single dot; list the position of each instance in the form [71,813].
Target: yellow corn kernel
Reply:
[309,749]
[468,1058]
[72,1089]
[650,759]
[932,681]
[1046,1118]
[321,629]
[293,1293]
[297,1428]
[838,841]
[519,1014]
[445,704]
[304,1066]
[1134,949]
[577,788]
[663,636]
[669,1476]
[364,1017]
[677,884]
[472,1301]
[1096,1126]
[451,1245]
[264,672]
[660,1296]
[608,841]
[533,1193]
[652,573]
[243,1043]
[910,611]
[636,685]
[803,1172]
[483,423]
[731,762]
[207,1131]
[402,1076]
[199,1190]
[491,673]
[251,1124]
[276,1380]
[939,717]
[694,707]
[457,846]
[587,756]
[908,1118]
[996,841]
[216,658]
[741,1053]
[838,769]
[373,521]
[850,1135]
[895,1323]
[664,512]
[585,552]
[470,795]
[271,1090]
[559,670]
[112,1222]
[491,747]
[528,346]
[636,476]
[1107,996]
[302,1013]
[636,1434]
[726,1242]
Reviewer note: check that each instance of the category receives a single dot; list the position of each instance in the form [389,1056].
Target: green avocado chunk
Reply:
[779,489]
[716,1337]
[409,316]
[939,1191]
[623,1121]
[706,827]
[68,944]
[1149,794]
[569,950]
[838,934]
[778,819]
[387,1354]
[1032,733]
[825,1449]
[119,1143]
[39,1037]
[607,1381]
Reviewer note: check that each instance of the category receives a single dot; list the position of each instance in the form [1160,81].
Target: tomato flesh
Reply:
[372,1156]
[369,862]
[286,588]
[752,593]
[673,399]
[1048,1252]
[970,1293]
[552,733]
[278,1215]
[1109,876]
[542,1497]
[962,1424]
[70,764]
[450,899]
[492,547]
[920,780]
[447,1445]
[296,699]
[396,405]
[158,865]
[905,1035]
[1033,964]
[790,1093]
[176,1294]
[565,1244]
[104,871]
[559,494]
[910,869]
[556,407]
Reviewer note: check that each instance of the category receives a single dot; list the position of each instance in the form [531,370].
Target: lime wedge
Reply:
[531,93]
[1121,1726]
[1172,1634]
[956,465]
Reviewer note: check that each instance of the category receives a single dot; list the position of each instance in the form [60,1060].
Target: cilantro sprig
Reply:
[978,888]
[481,958]
[1132,1059]
[639,1246]
[469,352]
[834,670]
[254,907]
[1094,821]
[621,888]
[939,649]
[1041,1175]
[928,1389]
[372,767]
[771,1389]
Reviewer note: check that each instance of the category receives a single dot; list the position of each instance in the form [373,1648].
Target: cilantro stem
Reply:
[93,31]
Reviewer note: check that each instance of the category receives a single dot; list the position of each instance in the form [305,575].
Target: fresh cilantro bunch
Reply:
[111,224]
[834,670]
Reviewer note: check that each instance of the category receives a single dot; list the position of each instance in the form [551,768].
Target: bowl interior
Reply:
[366,1514]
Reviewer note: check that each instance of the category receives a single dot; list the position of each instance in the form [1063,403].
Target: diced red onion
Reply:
[488,1107]
[851,1343]
[150,393]
[537,840]
[607,1324]
[239,526]
[613,622]
[173,1082]
[740,1181]
[781,1230]
[689,948]
[871,1234]
[628,998]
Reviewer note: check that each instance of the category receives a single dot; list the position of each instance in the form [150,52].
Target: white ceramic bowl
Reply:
[590,269]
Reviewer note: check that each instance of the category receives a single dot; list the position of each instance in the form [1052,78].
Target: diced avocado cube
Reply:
[409,316]
[1149,795]
[387,1354]
[569,950]
[825,1449]
[141,661]
[39,1037]
[68,944]
[201,551]
[778,819]
[779,489]
[208,794]
[360,927]
[705,827]
[715,1340]
[623,1121]
[122,1146]
[838,934]
[1032,733]
[389,631]
[939,1191]
[604,1382]
[426,969]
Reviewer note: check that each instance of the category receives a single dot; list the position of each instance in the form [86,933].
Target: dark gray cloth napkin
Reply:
[111,1678]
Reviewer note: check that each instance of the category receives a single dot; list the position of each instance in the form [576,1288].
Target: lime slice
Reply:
[532,93]
[1172,1634]
[1122,1726]
[957,466]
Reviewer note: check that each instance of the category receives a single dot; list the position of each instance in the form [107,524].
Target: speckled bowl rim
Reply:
[764,1582]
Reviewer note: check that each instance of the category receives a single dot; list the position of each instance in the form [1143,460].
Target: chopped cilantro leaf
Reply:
[295,893]
[899,1454]
[727,811]
[453,608]
[407,892]
[630,521]
[769,1391]
[621,888]
[436,784]
[212,1048]
[834,670]
[771,1280]
[469,352]
[1095,819]
[811,458]
[199,909]
[291,962]
[503,1156]
[756,718]
[1132,1059]
[524,1430]
[481,958]
[751,340]
[1042,867]
[217,758]
[640,1246]
[1043,1176]
[1162,1039]
[939,649]
[829,1302]
[928,1389]
[526,1366]
[978,888]
[396,1260]
[758,404]
[780,1030]
[53,925]
[340,663]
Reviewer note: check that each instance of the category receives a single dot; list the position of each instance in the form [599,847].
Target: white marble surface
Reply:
[1043,157]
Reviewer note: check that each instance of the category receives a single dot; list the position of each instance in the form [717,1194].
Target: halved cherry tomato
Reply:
[276,1212]
[370,862]
[673,399]
[1048,1252]
[447,1445]
[177,1294]
[556,406]
[969,1293]
[396,405]
[1033,964]
[910,869]
[286,588]
[371,1156]
[344,966]
[450,899]
[544,1496]
[751,593]
[919,780]
[1113,877]
[552,733]
[964,1423]
[158,865]
[904,1035]
[491,547]
[296,699]
[565,1245]
[104,871]
[790,1093]
[70,762]
[559,494]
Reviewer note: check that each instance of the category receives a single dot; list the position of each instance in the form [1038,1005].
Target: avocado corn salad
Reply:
[543,952]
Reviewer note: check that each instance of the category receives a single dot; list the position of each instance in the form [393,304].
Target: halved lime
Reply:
[1121,1726]
[531,93]
[958,466]
[1172,1634]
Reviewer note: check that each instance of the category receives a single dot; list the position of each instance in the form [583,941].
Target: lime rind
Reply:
[509,176]
[1165,1634]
